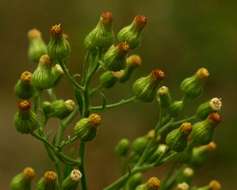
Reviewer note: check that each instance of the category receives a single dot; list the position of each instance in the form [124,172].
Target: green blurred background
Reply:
[180,37]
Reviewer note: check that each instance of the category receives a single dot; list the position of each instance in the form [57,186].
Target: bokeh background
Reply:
[180,37]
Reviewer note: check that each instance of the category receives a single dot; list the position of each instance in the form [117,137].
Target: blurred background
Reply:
[180,37]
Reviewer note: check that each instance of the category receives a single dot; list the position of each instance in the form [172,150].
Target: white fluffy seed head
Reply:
[182,186]
[75,175]
[215,104]
[188,172]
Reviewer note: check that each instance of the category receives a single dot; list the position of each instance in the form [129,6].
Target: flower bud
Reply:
[139,144]
[182,186]
[114,57]
[109,78]
[57,73]
[193,86]
[132,33]
[48,182]
[86,128]
[22,181]
[37,46]
[24,88]
[203,131]
[213,185]
[122,147]
[176,107]
[42,77]
[213,105]
[163,97]
[132,62]
[25,119]
[153,183]
[185,175]
[200,154]
[71,182]
[158,153]
[177,139]
[134,181]
[102,35]
[58,47]
[58,108]
[145,88]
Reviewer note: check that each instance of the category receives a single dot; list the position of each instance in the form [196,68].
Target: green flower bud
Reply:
[134,181]
[58,108]
[158,153]
[132,33]
[114,58]
[71,182]
[48,182]
[24,88]
[163,97]
[200,154]
[58,47]
[213,105]
[132,62]
[42,77]
[193,86]
[177,139]
[57,73]
[152,184]
[182,186]
[22,181]
[176,107]
[213,185]
[139,144]
[122,147]
[145,88]
[185,175]
[86,128]
[25,119]
[102,35]
[203,131]
[37,47]
[109,78]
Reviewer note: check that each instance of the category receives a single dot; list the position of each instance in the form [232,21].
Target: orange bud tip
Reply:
[134,60]
[215,117]
[153,183]
[140,21]
[24,105]
[95,119]
[211,146]
[158,74]
[106,17]
[215,185]
[26,76]
[202,73]
[50,176]
[45,59]
[56,30]
[29,172]
[186,127]
[34,33]
[123,47]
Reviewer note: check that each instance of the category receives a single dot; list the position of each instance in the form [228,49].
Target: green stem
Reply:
[82,165]
[114,105]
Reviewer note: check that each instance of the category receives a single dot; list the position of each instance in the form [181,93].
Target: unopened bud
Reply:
[163,97]
[109,78]
[48,181]
[122,147]
[72,180]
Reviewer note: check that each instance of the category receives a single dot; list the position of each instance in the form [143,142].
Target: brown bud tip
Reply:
[75,175]
[211,146]
[106,17]
[202,73]
[140,21]
[29,172]
[45,60]
[118,74]
[26,76]
[214,185]
[123,48]
[158,74]
[134,60]
[24,105]
[186,128]
[215,117]
[95,119]
[56,30]
[153,183]
[50,176]
[33,33]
